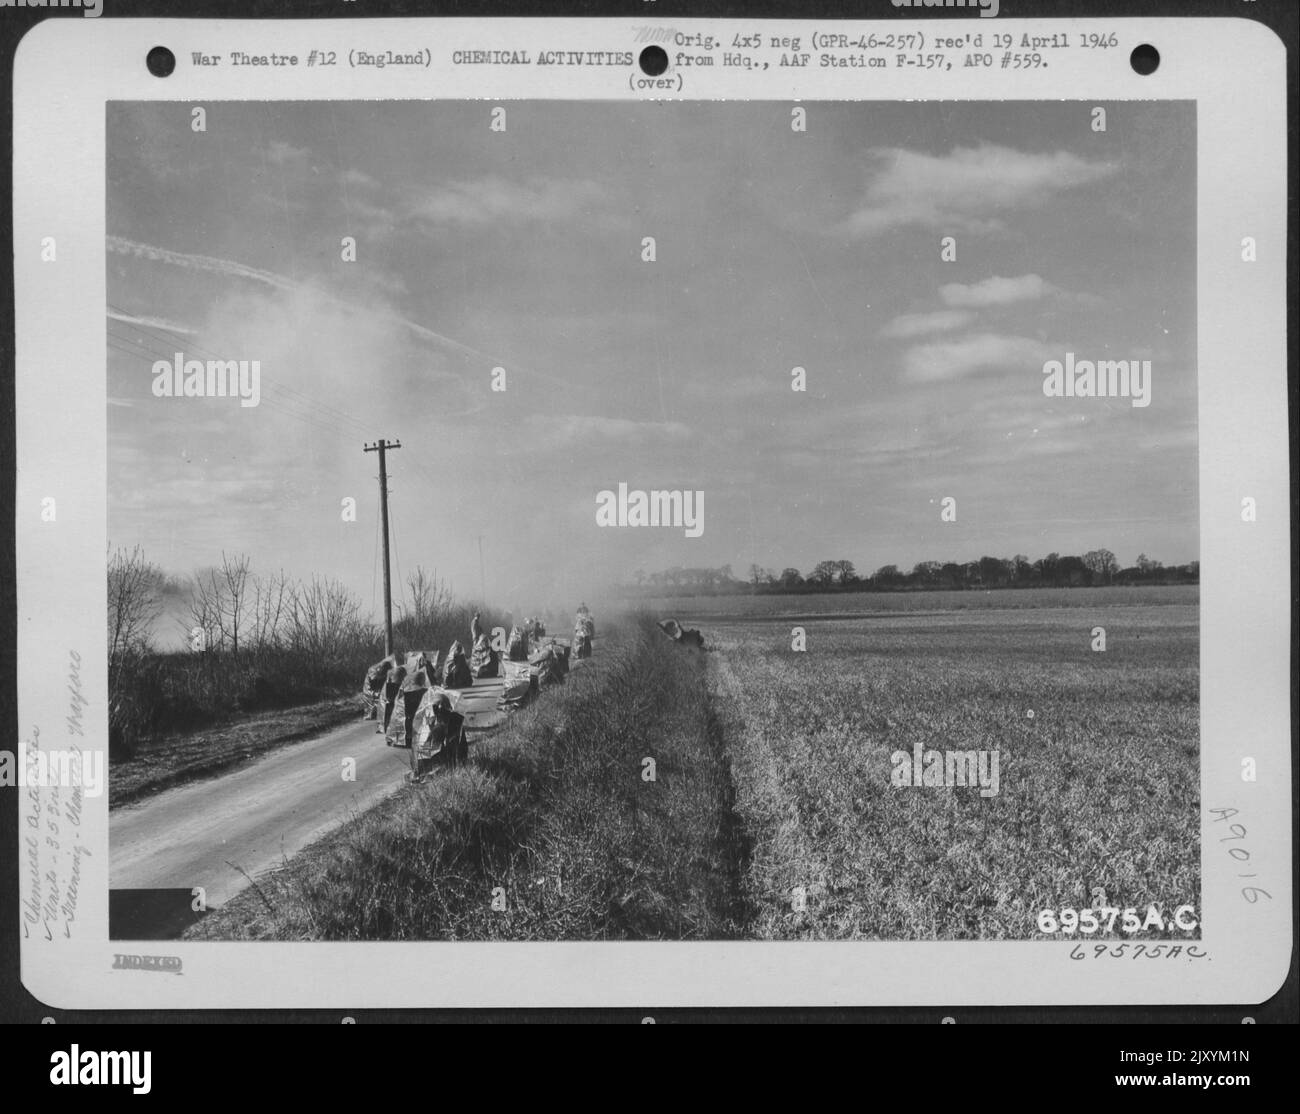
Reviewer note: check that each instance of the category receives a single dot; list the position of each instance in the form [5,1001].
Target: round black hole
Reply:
[653,60]
[1144,59]
[160,61]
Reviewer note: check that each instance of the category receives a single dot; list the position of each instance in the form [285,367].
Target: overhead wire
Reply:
[317,408]
[279,405]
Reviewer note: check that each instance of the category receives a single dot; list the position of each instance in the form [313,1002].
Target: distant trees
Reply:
[1097,567]
[833,572]
[926,573]
[887,576]
[1102,564]
[994,572]
[823,573]
[791,578]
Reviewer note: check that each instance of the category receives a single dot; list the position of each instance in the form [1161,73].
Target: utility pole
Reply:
[482,580]
[381,447]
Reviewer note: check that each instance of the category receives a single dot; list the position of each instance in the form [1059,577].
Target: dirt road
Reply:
[251,820]
[253,817]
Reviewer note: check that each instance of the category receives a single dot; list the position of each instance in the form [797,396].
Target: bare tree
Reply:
[234,580]
[207,605]
[323,620]
[431,599]
[133,603]
[267,612]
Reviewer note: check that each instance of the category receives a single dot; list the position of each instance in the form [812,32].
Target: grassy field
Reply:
[848,605]
[1098,765]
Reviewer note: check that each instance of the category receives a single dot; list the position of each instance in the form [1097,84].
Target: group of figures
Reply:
[415,698]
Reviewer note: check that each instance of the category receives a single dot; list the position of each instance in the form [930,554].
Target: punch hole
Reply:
[653,60]
[1144,59]
[160,61]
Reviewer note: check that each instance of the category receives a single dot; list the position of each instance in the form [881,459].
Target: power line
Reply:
[401,594]
[278,405]
[332,413]
[319,413]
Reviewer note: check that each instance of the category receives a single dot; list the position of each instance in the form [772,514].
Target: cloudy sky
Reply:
[774,250]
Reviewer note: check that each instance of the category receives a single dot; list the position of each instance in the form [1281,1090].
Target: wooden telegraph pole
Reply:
[381,447]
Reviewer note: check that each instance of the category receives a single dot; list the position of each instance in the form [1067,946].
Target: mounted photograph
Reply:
[677,521]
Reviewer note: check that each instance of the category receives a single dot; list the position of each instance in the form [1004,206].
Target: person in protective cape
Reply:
[456,673]
[388,696]
[372,689]
[484,661]
[446,737]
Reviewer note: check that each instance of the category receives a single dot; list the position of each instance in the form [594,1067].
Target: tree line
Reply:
[1097,567]
[250,640]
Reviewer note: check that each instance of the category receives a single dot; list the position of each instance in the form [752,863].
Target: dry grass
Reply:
[1099,789]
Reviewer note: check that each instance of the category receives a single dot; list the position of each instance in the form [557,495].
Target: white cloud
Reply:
[358,178]
[145,322]
[995,291]
[966,190]
[919,324]
[941,361]
[230,268]
[492,199]
[280,153]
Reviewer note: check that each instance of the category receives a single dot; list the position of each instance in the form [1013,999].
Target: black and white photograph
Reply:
[652,518]
[696,521]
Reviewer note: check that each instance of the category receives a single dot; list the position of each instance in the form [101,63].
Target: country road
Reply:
[265,812]
[253,817]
